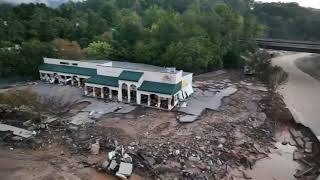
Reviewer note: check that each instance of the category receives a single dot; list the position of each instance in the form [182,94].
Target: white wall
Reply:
[188,78]
[163,77]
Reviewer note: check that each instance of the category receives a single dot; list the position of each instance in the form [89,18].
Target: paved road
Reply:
[301,93]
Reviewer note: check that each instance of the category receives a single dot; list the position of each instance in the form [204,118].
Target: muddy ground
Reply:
[236,141]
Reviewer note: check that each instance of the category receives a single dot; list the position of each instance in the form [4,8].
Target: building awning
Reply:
[161,88]
[68,69]
[104,80]
[130,76]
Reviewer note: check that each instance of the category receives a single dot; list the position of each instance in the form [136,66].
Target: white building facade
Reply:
[126,82]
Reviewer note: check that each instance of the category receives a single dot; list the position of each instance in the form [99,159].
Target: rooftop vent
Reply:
[171,70]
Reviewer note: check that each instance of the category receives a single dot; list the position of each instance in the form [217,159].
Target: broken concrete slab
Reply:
[101,107]
[125,169]
[187,118]
[95,148]
[295,133]
[198,103]
[16,131]
[308,147]
[81,118]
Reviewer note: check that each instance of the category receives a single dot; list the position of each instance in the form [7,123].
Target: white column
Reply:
[102,93]
[120,93]
[110,93]
[72,82]
[159,101]
[169,103]
[94,91]
[41,76]
[78,82]
[85,90]
[129,94]
[138,97]
[149,100]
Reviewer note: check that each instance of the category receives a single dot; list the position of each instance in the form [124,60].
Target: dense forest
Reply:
[194,35]
[288,21]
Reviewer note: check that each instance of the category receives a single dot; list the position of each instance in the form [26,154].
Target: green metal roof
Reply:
[104,80]
[68,69]
[162,88]
[130,76]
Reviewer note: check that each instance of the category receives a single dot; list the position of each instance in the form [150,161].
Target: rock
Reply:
[246,175]
[262,116]
[177,152]
[27,123]
[210,163]
[42,126]
[220,146]
[194,158]
[95,148]
[80,166]
[222,140]
[227,80]
[308,147]
[297,155]
[16,138]
[105,164]
[73,128]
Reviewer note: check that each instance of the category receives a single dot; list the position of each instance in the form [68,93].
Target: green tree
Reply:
[194,54]
[99,50]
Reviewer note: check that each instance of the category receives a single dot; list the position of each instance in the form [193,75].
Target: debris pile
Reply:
[306,155]
[119,163]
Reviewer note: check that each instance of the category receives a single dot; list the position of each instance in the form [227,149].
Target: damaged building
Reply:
[126,82]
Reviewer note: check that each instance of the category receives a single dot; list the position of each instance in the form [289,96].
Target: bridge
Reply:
[287,45]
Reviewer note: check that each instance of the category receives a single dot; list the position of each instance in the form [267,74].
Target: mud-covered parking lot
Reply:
[240,139]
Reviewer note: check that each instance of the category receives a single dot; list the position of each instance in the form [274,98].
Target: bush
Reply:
[260,63]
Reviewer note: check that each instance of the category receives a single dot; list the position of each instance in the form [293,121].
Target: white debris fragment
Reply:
[92,113]
[95,148]
[125,169]
[16,131]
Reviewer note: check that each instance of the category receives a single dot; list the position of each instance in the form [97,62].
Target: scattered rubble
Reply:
[119,163]
[238,133]
[305,155]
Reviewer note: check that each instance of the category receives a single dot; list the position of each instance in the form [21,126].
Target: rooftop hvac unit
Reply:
[171,70]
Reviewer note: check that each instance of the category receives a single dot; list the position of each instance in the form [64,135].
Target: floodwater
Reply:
[280,164]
